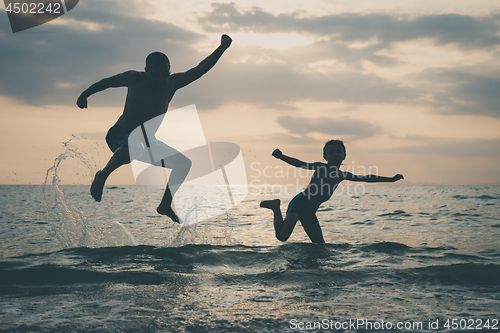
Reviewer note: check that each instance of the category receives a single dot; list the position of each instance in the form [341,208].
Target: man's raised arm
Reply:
[183,79]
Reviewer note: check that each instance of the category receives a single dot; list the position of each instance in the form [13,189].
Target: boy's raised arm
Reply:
[183,79]
[373,178]
[293,161]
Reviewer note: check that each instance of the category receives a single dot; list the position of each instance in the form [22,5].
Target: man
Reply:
[148,96]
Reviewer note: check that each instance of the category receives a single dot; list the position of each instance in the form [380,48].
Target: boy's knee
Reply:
[282,238]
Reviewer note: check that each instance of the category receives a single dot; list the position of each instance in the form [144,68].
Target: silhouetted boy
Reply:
[323,183]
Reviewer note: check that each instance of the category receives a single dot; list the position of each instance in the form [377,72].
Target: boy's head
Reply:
[158,65]
[334,148]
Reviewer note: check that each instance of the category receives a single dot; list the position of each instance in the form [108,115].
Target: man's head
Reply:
[157,65]
[334,151]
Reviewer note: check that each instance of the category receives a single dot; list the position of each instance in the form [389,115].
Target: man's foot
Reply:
[271,204]
[168,211]
[97,186]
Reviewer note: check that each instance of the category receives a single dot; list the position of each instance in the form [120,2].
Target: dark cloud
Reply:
[353,58]
[385,28]
[449,91]
[458,91]
[52,64]
[337,127]
[277,84]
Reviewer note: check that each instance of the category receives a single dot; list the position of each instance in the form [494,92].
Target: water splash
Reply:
[127,232]
[71,226]
[74,225]
[217,231]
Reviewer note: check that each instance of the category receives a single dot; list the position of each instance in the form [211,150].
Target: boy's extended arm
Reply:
[293,161]
[183,79]
[120,80]
[373,178]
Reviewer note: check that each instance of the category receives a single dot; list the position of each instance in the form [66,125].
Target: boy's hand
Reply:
[277,153]
[225,41]
[81,102]
[397,177]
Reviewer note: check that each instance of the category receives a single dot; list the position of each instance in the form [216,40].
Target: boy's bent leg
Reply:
[313,230]
[287,226]
[282,227]
[275,206]
[119,158]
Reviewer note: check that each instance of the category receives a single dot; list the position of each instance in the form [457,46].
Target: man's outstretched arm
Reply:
[183,79]
[120,80]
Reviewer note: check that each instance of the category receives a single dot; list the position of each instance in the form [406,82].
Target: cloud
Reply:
[52,64]
[456,91]
[385,28]
[338,127]
[457,148]
[446,90]
[288,139]
[277,84]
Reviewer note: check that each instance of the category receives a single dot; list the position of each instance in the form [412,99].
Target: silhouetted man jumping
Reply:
[148,96]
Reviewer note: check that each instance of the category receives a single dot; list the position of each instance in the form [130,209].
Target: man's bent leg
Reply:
[120,157]
[180,166]
[165,206]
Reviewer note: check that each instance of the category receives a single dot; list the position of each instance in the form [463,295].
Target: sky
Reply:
[412,87]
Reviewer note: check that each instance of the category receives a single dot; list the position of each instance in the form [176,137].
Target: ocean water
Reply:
[405,255]
[397,258]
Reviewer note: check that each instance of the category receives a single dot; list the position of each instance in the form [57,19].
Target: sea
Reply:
[397,259]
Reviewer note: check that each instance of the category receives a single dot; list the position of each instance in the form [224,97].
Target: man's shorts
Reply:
[304,209]
[169,157]
[117,137]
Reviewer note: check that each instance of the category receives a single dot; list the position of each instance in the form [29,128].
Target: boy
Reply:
[148,96]
[323,183]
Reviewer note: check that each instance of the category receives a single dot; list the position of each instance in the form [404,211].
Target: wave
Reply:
[479,197]
[291,264]
[388,247]
[485,275]
[397,213]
